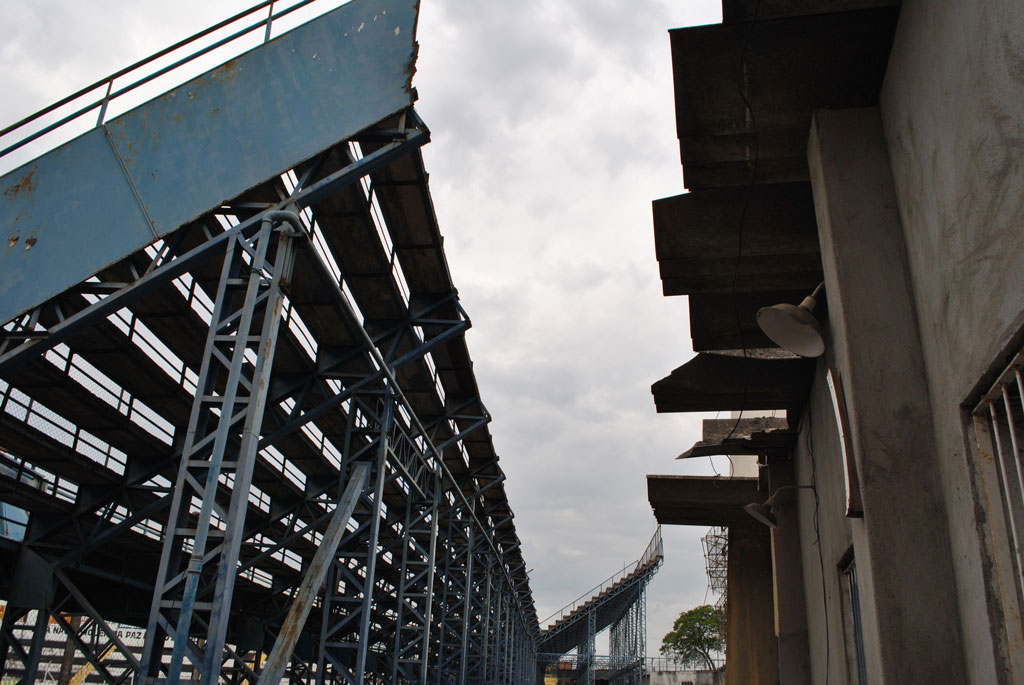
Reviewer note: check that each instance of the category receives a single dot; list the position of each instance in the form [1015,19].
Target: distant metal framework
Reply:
[260,438]
[716,563]
[618,604]
[716,558]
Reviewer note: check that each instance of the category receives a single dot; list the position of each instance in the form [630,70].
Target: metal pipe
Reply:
[1002,458]
[313,580]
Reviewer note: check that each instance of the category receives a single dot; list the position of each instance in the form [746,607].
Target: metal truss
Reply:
[456,548]
[199,560]
[587,650]
[716,562]
[716,555]
[386,633]
[301,399]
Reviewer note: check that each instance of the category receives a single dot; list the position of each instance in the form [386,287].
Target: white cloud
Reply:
[553,128]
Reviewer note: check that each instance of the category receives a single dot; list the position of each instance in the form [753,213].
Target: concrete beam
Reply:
[793,66]
[716,382]
[716,430]
[759,435]
[702,500]
[713,318]
[698,237]
[743,10]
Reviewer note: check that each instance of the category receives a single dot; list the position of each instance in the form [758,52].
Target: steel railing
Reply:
[148,70]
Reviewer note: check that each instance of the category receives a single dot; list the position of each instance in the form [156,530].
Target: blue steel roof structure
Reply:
[142,175]
[247,271]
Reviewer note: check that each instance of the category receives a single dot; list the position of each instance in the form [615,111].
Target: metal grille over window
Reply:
[851,590]
[999,427]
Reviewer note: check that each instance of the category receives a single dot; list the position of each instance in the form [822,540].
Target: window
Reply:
[13,521]
[851,617]
[998,421]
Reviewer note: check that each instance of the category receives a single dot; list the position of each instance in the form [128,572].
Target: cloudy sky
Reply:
[553,130]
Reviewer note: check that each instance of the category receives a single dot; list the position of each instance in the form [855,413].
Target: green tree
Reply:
[694,636]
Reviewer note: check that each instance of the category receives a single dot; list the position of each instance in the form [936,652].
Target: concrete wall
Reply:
[788,576]
[825,529]
[953,113]
[751,650]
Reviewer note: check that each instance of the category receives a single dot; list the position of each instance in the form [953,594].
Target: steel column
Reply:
[477,637]
[249,282]
[35,650]
[373,544]
[467,601]
[416,588]
[453,611]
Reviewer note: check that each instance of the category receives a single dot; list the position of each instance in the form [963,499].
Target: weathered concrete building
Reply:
[877,147]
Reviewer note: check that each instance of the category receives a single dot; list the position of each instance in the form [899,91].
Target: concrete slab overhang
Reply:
[697,238]
[715,382]
[791,67]
[743,10]
[746,237]
[702,500]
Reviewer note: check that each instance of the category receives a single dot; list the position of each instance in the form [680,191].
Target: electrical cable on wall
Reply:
[741,87]
[817,541]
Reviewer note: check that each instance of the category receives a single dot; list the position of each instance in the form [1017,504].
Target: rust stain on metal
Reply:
[225,72]
[26,185]
[12,240]
[30,242]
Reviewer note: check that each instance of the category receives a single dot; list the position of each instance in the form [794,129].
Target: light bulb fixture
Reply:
[764,513]
[794,328]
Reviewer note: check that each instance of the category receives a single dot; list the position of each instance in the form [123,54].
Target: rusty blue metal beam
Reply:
[122,185]
[170,269]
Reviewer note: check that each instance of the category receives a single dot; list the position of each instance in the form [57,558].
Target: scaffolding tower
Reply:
[716,563]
